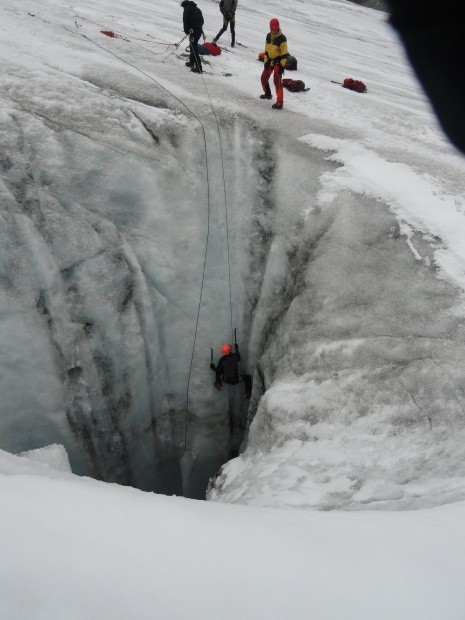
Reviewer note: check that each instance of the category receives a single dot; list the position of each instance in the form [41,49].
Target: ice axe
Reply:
[212,364]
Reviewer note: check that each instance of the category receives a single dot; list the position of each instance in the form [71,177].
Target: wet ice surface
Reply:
[364,402]
[345,248]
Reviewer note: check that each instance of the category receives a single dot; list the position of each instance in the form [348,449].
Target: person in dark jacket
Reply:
[432,33]
[227,370]
[274,63]
[193,26]
[228,9]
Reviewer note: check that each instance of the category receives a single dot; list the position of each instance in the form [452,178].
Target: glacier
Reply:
[117,179]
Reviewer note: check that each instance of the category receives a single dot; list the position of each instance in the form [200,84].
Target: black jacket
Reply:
[192,18]
[228,368]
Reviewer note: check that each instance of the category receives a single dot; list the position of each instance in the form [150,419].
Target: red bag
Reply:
[356,85]
[295,86]
[213,48]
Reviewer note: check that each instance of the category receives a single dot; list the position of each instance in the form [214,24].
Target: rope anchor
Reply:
[113,35]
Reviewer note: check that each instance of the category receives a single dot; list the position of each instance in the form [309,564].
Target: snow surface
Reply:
[76,548]
[345,227]
[54,456]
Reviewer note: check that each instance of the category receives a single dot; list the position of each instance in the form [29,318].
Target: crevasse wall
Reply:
[363,392]
[354,343]
[104,236]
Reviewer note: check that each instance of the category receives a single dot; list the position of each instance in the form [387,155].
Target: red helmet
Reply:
[226,349]
[274,24]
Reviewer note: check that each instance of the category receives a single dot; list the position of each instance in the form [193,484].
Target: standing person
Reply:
[228,8]
[228,370]
[193,26]
[275,63]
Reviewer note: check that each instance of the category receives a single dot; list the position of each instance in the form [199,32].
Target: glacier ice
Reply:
[353,333]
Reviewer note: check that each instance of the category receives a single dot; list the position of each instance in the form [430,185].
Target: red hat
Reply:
[274,24]
[226,349]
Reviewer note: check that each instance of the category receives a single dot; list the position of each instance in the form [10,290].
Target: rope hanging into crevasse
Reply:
[228,255]
[207,237]
[226,211]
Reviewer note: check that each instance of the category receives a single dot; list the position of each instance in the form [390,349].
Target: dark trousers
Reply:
[245,379]
[232,24]
[194,50]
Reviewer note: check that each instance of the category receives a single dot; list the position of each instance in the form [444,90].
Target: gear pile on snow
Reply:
[208,49]
[212,48]
[356,85]
[295,86]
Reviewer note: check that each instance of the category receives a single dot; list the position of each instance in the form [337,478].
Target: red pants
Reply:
[278,82]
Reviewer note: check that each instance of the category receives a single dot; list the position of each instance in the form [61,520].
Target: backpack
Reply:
[295,86]
[212,48]
[356,85]
[291,63]
[230,368]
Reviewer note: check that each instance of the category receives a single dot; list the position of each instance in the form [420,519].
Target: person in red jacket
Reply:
[274,63]
[227,370]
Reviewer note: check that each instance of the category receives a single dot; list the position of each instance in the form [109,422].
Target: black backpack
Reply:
[291,63]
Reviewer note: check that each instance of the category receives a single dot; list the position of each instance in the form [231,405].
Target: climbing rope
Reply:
[226,210]
[228,253]
[119,35]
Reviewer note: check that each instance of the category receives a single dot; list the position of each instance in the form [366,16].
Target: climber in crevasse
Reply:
[227,370]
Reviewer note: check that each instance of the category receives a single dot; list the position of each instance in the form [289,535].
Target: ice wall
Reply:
[361,375]
[105,214]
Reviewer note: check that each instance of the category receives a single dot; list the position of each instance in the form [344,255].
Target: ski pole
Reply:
[235,335]
[211,355]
